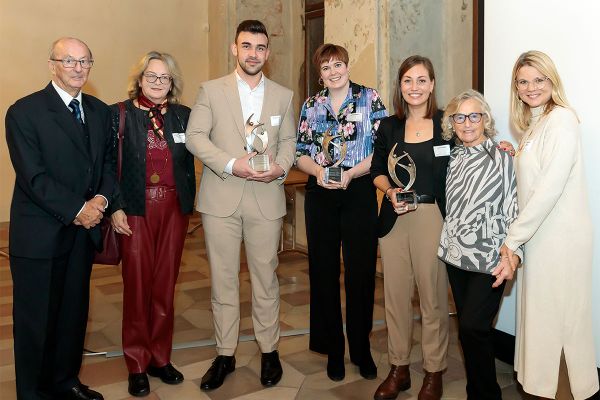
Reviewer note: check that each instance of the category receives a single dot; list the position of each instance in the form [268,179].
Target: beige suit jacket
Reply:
[215,134]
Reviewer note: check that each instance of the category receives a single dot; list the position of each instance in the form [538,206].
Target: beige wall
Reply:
[115,32]
[354,25]
[380,34]
[193,31]
[283,19]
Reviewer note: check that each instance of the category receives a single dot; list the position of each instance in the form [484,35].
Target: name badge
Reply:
[354,117]
[528,145]
[275,120]
[441,151]
[179,137]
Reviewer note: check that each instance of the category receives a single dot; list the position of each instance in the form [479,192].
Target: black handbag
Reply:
[111,255]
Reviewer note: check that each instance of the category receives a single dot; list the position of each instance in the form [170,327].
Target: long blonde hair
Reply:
[133,88]
[520,112]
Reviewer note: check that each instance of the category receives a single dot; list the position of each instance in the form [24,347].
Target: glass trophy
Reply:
[260,162]
[406,195]
[334,172]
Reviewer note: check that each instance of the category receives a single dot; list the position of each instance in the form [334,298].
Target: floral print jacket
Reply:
[356,123]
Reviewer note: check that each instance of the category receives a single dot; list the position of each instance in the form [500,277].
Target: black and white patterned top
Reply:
[481,203]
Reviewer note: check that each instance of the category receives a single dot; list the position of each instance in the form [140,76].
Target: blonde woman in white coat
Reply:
[554,306]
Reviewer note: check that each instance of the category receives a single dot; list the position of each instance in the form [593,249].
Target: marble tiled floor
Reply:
[304,371]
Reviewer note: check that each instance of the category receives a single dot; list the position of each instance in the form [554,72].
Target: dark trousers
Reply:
[347,218]
[151,259]
[477,304]
[50,310]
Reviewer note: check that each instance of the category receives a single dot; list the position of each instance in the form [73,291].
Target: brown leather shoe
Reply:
[397,380]
[432,386]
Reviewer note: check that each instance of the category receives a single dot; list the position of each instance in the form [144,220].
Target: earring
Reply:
[320,81]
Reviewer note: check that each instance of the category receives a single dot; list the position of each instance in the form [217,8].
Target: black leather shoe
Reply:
[138,385]
[82,392]
[168,374]
[270,369]
[336,371]
[215,376]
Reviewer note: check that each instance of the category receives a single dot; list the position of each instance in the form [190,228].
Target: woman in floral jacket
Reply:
[338,126]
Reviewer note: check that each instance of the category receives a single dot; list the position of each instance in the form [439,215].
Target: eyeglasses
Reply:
[538,83]
[461,118]
[71,62]
[151,78]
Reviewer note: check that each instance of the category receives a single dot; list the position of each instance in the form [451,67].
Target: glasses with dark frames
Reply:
[151,78]
[461,118]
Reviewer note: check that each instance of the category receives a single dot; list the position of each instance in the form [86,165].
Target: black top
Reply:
[423,157]
[130,192]
[391,131]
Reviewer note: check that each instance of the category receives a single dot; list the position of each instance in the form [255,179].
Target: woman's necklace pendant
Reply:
[418,133]
[154,178]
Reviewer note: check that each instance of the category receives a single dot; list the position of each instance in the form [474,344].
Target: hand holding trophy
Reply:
[333,173]
[407,196]
[260,162]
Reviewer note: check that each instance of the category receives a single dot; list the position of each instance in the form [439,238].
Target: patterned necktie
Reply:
[74,107]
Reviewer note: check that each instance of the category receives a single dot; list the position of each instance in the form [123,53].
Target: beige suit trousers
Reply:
[409,256]
[223,236]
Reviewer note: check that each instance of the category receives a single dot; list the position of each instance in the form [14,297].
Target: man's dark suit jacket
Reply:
[59,165]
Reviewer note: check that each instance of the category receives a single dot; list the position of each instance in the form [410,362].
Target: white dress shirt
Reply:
[251,100]
[66,98]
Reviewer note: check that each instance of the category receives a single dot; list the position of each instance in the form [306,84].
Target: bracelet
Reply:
[386,191]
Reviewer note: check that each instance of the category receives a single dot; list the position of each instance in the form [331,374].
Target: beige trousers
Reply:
[223,236]
[409,256]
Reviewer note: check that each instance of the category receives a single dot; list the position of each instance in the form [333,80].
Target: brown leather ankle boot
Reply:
[432,386]
[397,380]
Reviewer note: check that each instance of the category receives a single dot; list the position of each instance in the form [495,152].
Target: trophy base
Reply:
[409,197]
[260,163]
[333,174]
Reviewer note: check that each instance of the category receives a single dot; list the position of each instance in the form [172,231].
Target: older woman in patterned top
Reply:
[340,213]
[481,204]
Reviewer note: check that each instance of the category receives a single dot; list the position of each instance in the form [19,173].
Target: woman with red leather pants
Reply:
[151,210]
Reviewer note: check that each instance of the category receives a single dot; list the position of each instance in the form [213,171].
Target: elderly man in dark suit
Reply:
[60,146]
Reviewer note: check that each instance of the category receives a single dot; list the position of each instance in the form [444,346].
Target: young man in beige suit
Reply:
[238,203]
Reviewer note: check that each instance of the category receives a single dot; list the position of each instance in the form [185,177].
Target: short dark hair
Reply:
[252,26]
[329,51]
[400,106]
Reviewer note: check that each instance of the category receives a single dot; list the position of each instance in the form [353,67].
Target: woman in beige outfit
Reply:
[554,311]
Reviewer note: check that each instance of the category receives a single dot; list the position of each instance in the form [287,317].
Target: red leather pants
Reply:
[151,259]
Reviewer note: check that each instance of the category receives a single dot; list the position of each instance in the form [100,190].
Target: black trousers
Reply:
[347,218]
[477,304]
[50,310]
